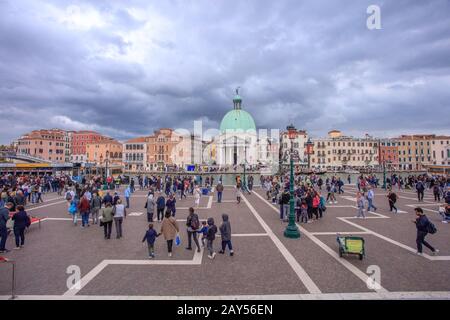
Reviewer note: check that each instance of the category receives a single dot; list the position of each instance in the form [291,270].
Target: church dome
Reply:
[237,119]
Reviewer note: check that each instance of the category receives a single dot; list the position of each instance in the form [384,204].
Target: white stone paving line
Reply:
[46,205]
[364,277]
[298,269]
[413,295]
[197,260]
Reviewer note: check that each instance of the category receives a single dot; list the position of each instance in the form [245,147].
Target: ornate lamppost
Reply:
[292,230]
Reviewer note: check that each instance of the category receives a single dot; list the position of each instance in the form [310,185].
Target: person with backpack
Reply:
[420,188]
[210,237]
[424,226]
[96,204]
[225,233]
[160,206]
[193,224]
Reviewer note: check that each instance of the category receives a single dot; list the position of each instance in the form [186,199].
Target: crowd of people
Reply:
[95,204]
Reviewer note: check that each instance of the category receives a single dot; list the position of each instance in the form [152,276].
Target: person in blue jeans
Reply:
[370,198]
[127,196]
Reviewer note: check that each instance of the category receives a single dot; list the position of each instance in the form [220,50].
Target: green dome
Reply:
[237,120]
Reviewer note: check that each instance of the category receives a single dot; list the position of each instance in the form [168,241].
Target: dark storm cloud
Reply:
[128,68]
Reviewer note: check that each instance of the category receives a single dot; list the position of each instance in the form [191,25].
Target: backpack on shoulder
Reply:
[431,228]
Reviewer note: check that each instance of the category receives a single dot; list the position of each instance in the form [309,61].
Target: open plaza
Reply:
[265,264]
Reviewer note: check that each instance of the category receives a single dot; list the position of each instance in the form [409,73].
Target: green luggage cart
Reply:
[351,246]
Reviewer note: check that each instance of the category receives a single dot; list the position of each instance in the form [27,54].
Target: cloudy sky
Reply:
[127,68]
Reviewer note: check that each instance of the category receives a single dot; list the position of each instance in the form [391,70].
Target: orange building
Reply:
[160,147]
[48,145]
[105,152]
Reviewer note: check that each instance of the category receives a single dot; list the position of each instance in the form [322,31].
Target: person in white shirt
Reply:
[197,195]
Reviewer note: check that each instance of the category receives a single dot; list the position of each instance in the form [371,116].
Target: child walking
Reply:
[210,237]
[150,236]
[304,212]
[204,232]
[238,193]
[225,232]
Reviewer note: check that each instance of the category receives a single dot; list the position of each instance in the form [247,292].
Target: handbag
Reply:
[177,240]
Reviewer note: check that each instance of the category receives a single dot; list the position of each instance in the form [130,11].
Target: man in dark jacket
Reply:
[160,205]
[422,224]
[107,199]
[193,224]
[4,216]
[225,233]
[210,237]
[420,190]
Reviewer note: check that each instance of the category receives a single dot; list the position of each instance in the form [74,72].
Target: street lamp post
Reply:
[291,230]
[384,174]
[309,147]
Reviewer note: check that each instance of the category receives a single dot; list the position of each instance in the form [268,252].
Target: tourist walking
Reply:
[238,193]
[150,236]
[370,198]
[127,195]
[420,188]
[107,219]
[219,189]
[392,198]
[171,204]
[96,204]
[21,221]
[197,195]
[360,205]
[193,224]
[169,229]
[422,226]
[210,237]
[4,217]
[84,207]
[160,206]
[150,206]
[119,213]
[225,233]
